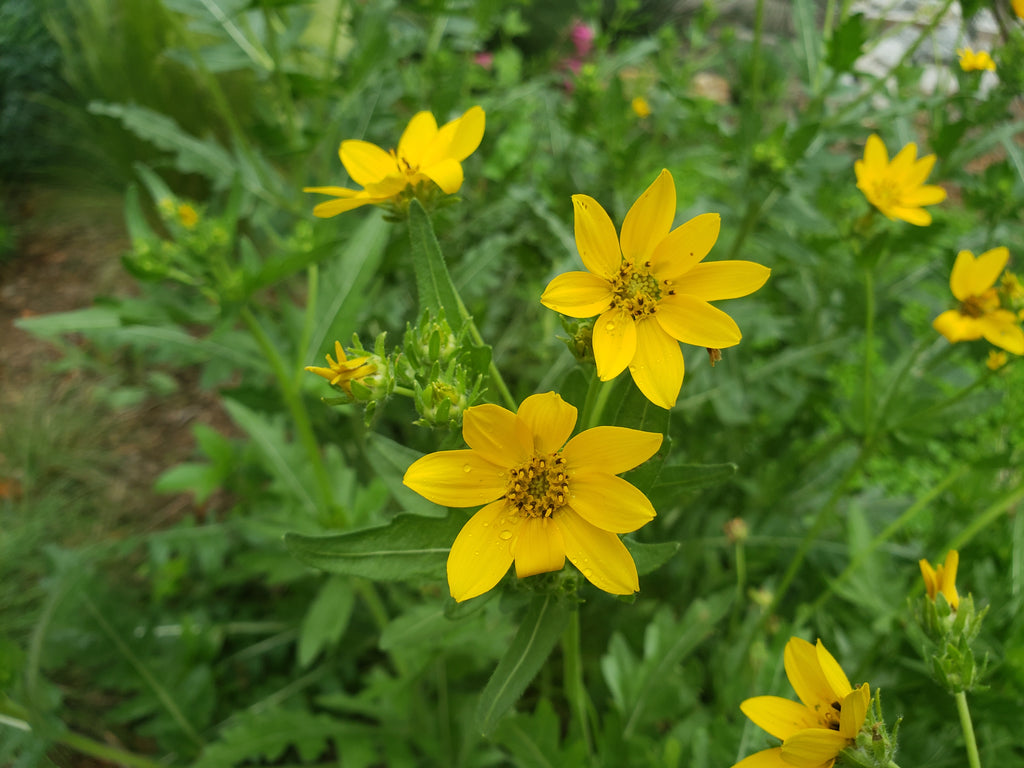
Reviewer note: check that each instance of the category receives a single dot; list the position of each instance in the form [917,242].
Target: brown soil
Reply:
[68,252]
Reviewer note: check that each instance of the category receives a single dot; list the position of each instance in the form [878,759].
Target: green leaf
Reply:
[390,460]
[326,619]
[545,619]
[433,283]
[192,155]
[679,477]
[845,46]
[190,477]
[409,547]
[135,220]
[650,557]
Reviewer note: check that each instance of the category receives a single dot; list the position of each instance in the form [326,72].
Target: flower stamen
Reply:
[636,291]
[539,487]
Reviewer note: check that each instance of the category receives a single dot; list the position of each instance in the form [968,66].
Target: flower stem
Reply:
[597,398]
[869,343]
[968,728]
[575,690]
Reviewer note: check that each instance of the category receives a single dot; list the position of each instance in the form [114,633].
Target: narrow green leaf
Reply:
[545,619]
[807,30]
[326,619]
[409,547]
[433,283]
[135,220]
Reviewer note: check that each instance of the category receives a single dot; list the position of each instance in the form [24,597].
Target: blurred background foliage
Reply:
[849,438]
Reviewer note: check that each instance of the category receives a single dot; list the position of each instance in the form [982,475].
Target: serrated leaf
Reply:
[326,619]
[410,547]
[542,625]
[433,283]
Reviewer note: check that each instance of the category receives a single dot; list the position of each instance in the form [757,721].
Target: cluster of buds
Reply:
[442,369]
[580,340]
[875,746]
[359,374]
[946,626]
[431,197]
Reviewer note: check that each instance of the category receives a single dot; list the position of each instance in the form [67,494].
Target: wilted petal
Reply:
[649,219]
[614,343]
[497,434]
[578,294]
[657,366]
[782,718]
[602,559]
[596,238]
[696,322]
[610,449]
[456,478]
[538,547]
[609,502]
[479,557]
[550,420]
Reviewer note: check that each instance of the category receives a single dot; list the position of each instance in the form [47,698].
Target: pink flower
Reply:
[582,37]
[484,59]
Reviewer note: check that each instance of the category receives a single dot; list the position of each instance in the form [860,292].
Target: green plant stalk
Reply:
[989,516]
[14,716]
[598,393]
[492,368]
[869,348]
[284,91]
[750,216]
[575,690]
[300,416]
[755,56]
[308,318]
[142,670]
[968,728]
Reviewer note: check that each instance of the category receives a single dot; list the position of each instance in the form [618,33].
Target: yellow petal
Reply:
[336,191]
[456,478]
[602,559]
[366,163]
[657,366]
[538,547]
[610,449]
[596,239]
[957,327]
[479,557]
[609,502]
[459,138]
[834,675]
[949,578]
[875,154]
[1000,328]
[649,219]
[804,672]
[578,294]
[813,748]
[497,435]
[903,163]
[926,195]
[919,217]
[972,277]
[717,280]
[782,718]
[854,711]
[417,139]
[334,207]
[920,171]
[766,758]
[685,246]
[614,343]
[550,420]
[447,174]
[696,322]
[931,583]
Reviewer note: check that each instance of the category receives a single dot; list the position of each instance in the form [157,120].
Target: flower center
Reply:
[404,166]
[635,290]
[886,193]
[539,487]
[830,717]
[979,306]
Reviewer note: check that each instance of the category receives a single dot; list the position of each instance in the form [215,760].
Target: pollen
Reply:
[635,290]
[539,487]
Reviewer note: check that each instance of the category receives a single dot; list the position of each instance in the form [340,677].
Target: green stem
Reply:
[968,728]
[575,690]
[597,398]
[309,317]
[492,368]
[755,55]
[869,343]
[300,416]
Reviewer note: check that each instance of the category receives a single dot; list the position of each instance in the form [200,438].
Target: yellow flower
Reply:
[641,107]
[980,314]
[1018,7]
[343,371]
[996,359]
[942,578]
[815,732]
[654,292]
[425,153]
[971,61]
[187,215]
[546,499]
[897,189]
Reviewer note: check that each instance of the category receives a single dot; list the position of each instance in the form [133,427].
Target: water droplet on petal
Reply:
[609,326]
[588,572]
[466,468]
[505,535]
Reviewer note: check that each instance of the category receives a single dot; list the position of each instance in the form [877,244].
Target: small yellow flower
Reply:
[971,61]
[343,371]
[996,359]
[187,215]
[897,189]
[828,720]
[546,499]
[942,578]
[652,292]
[1012,287]
[641,107]
[1018,7]
[980,313]
[425,153]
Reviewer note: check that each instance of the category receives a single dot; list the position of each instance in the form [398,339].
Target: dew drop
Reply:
[505,535]
[588,572]
[466,468]
[609,326]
